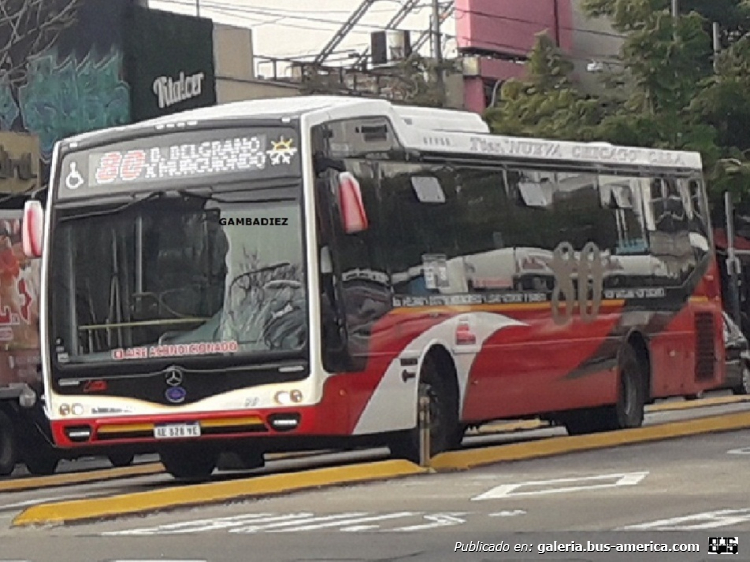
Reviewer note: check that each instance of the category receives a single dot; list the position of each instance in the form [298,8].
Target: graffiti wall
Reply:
[61,68]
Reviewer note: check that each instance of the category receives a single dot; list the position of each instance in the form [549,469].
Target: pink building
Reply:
[495,37]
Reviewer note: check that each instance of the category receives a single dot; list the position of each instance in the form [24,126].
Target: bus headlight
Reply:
[64,410]
[77,410]
[286,398]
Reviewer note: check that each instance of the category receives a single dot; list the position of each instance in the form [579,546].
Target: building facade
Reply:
[495,38]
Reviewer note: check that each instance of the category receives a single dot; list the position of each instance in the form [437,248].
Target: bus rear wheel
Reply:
[8,445]
[189,463]
[445,433]
[627,412]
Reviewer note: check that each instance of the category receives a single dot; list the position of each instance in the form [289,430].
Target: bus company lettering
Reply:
[665,158]
[172,350]
[516,147]
[170,92]
[265,221]
[606,153]
[640,293]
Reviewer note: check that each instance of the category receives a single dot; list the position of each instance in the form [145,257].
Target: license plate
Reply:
[177,431]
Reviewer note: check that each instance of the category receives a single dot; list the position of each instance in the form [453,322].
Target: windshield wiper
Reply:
[136,201]
[212,197]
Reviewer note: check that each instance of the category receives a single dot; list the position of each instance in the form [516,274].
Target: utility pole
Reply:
[437,50]
[717,44]
[198,8]
[675,8]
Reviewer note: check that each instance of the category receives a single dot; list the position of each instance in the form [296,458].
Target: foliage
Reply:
[675,98]
[546,104]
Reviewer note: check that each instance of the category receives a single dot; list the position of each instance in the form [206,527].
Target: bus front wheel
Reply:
[189,463]
[445,432]
[121,460]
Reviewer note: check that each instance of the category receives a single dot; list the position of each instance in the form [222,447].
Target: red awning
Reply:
[720,240]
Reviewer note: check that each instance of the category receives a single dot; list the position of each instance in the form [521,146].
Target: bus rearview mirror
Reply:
[353,213]
[32,229]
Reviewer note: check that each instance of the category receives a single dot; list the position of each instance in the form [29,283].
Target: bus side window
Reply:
[419,219]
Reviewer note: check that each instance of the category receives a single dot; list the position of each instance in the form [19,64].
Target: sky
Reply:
[303,27]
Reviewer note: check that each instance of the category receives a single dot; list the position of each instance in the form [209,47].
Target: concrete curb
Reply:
[72,478]
[202,494]
[529,425]
[464,460]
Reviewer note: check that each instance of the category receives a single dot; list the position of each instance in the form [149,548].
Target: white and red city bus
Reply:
[295,273]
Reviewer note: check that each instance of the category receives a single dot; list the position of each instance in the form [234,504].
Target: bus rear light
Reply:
[77,410]
[78,434]
[64,410]
[284,422]
[464,335]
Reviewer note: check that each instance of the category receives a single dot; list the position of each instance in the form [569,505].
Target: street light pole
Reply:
[198,8]
[675,8]
[437,46]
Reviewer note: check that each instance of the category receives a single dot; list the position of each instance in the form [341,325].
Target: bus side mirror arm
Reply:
[333,317]
[321,164]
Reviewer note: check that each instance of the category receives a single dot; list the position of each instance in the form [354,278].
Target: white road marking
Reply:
[438,520]
[204,525]
[346,517]
[513,513]
[552,486]
[352,522]
[707,520]
[743,451]
[363,519]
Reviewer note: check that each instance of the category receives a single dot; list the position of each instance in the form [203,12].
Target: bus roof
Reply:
[441,131]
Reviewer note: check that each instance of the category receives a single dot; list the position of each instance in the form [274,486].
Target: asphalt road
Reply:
[696,485]
[12,503]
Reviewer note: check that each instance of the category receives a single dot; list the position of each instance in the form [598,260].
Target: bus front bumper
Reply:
[158,429]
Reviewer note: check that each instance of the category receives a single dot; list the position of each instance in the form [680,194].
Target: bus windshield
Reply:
[175,276]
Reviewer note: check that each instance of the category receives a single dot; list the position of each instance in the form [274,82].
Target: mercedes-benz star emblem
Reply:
[173,377]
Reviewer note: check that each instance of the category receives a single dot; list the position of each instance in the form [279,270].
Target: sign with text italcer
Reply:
[19,162]
[169,63]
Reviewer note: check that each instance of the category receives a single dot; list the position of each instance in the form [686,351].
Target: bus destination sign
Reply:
[142,164]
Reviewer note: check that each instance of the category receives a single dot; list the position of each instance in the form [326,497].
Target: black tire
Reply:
[8,445]
[627,412]
[189,463]
[445,432]
[241,459]
[121,460]
[42,464]
[744,387]
[698,396]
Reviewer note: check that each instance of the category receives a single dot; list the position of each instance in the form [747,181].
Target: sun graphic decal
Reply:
[282,151]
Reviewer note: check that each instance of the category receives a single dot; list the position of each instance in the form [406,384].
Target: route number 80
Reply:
[579,279]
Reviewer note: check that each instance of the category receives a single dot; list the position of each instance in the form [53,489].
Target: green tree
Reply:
[546,103]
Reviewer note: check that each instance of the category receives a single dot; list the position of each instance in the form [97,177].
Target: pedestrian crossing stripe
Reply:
[303,522]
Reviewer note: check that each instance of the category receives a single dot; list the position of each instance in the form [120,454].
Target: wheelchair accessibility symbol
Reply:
[74,179]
